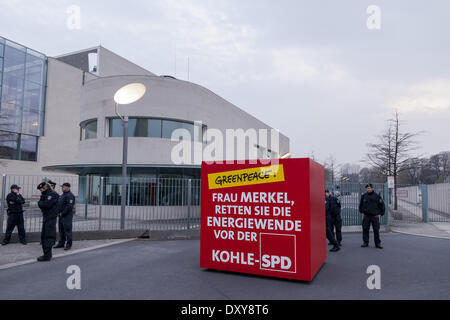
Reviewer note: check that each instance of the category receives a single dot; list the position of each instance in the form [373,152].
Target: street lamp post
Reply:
[126,95]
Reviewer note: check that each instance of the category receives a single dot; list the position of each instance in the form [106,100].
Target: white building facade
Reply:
[57,116]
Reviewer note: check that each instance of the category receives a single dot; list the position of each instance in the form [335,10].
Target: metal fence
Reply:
[421,203]
[174,204]
[406,203]
[350,195]
[152,203]
[437,202]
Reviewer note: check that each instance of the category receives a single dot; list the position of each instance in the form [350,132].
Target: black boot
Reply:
[68,247]
[365,245]
[335,248]
[44,259]
[378,246]
[5,243]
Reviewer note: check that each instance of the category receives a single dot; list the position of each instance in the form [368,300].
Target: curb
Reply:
[70,253]
[420,235]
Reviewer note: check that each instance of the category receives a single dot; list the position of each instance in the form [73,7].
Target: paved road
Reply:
[412,268]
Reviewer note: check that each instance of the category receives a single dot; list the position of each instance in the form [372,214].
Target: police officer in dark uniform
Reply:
[334,216]
[15,215]
[330,235]
[65,213]
[48,204]
[52,185]
[372,208]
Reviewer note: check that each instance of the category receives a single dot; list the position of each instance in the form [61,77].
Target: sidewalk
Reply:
[358,229]
[432,229]
[16,254]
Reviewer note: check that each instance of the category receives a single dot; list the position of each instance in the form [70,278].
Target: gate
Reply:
[350,195]
[420,203]
[406,204]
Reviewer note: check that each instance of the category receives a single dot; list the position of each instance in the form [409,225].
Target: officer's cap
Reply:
[50,182]
[41,185]
[66,185]
[16,187]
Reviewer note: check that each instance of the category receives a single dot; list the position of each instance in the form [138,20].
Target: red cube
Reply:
[264,219]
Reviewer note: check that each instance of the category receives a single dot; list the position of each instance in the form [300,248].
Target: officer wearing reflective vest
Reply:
[65,213]
[372,208]
[48,204]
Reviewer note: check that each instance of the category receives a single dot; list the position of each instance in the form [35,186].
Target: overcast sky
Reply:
[312,69]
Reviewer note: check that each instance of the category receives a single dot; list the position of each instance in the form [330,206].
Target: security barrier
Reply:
[154,204]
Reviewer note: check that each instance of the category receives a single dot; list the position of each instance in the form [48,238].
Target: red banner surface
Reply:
[266,220]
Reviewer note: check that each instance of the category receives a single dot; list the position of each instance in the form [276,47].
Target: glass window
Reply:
[170,126]
[10,117]
[9,145]
[2,47]
[1,76]
[28,148]
[146,128]
[115,128]
[14,61]
[34,68]
[89,130]
[33,97]
[151,128]
[12,89]
[31,123]
[137,127]
[154,128]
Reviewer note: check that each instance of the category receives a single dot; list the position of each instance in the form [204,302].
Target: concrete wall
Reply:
[111,64]
[78,60]
[165,98]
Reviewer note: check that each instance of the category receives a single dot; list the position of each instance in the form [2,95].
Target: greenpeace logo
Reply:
[246,177]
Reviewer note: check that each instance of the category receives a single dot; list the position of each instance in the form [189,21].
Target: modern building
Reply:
[57,115]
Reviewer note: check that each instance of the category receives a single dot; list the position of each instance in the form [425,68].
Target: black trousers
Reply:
[15,220]
[65,229]
[336,227]
[330,234]
[375,222]
[48,236]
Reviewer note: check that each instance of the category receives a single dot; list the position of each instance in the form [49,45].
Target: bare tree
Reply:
[392,151]
[380,155]
[332,166]
[439,165]
[412,170]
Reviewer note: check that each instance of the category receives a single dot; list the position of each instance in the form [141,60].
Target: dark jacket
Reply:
[15,202]
[65,203]
[332,206]
[49,204]
[372,204]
